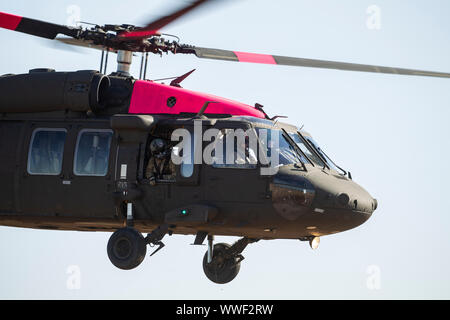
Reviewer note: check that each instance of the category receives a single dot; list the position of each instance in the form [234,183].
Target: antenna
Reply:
[203,109]
[276,117]
[176,82]
[260,107]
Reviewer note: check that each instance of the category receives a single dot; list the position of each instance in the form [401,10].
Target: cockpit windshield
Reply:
[275,143]
[330,162]
[307,150]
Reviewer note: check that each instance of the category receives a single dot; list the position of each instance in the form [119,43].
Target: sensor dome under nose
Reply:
[343,199]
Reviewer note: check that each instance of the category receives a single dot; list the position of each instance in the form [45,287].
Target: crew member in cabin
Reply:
[160,166]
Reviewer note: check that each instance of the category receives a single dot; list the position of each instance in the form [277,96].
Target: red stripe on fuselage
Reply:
[9,21]
[151,98]
[254,57]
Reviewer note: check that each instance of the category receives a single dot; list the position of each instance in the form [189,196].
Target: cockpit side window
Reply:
[229,150]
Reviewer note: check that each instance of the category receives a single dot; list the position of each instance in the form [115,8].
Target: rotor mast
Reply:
[124,60]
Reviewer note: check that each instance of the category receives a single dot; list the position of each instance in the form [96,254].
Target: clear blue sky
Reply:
[390,131]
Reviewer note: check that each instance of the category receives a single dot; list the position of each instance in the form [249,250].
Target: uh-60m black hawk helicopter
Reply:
[92,152]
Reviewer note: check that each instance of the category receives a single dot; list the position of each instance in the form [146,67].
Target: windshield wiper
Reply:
[299,153]
[345,172]
[314,150]
[323,155]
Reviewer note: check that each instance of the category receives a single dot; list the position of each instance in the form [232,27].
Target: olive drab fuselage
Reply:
[79,162]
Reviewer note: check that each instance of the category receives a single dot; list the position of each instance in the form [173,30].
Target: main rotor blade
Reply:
[237,56]
[84,44]
[153,27]
[35,27]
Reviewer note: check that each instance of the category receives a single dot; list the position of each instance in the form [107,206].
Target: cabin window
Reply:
[187,168]
[92,152]
[45,155]
[187,163]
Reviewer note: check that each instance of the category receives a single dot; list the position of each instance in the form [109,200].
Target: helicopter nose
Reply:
[359,201]
[342,193]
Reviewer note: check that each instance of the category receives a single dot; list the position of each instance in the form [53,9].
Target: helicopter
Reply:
[79,151]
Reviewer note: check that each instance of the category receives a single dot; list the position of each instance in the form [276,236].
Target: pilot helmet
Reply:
[158,148]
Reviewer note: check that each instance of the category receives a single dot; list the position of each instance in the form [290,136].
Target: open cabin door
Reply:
[131,132]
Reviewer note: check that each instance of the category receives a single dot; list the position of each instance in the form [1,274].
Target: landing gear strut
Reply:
[154,238]
[222,262]
[127,247]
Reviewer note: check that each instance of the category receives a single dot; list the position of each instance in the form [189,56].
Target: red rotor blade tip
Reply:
[9,21]
[254,57]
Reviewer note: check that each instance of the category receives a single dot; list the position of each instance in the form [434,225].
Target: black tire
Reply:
[126,248]
[218,271]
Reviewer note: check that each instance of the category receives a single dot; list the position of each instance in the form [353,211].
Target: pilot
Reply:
[159,165]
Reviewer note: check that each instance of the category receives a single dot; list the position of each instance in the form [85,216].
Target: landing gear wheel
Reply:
[222,269]
[126,248]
